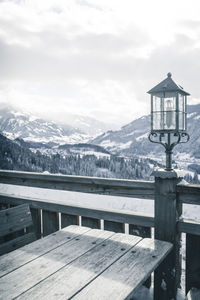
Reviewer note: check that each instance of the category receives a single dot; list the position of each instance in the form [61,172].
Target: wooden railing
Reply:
[169,195]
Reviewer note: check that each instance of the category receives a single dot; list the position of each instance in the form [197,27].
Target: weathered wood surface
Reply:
[141,219]
[36,217]
[12,285]
[144,232]
[67,220]
[123,277]
[189,226]
[15,219]
[193,294]
[96,258]
[189,193]
[167,213]
[94,185]
[14,223]
[90,222]
[50,222]
[82,271]
[192,271]
[17,243]
[34,250]
[114,226]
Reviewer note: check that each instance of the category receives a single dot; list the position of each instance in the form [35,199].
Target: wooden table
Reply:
[80,263]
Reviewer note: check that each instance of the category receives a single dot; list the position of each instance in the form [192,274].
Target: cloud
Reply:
[95,57]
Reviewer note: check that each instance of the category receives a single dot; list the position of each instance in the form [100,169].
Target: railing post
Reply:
[167,212]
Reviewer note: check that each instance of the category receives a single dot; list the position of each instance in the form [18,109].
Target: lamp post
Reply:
[168,116]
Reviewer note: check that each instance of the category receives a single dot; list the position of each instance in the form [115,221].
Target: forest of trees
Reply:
[15,157]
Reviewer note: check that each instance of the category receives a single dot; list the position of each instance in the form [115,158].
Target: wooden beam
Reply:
[189,193]
[189,226]
[94,185]
[122,216]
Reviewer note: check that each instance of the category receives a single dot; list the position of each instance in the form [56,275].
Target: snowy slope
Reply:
[14,125]
[132,139]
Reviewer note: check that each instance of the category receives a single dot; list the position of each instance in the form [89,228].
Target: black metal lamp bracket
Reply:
[157,138]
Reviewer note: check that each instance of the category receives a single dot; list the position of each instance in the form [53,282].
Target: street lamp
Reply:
[168,116]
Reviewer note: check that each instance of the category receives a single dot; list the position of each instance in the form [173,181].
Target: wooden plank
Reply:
[113,226]
[17,243]
[50,222]
[67,220]
[141,219]
[144,232]
[189,193]
[32,251]
[68,281]
[193,294]
[94,185]
[167,212]
[22,279]
[14,219]
[91,222]
[192,261]
[189,226]
[36,217]
[122,278]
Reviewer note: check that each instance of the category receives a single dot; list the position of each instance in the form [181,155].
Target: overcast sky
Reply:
[96,57]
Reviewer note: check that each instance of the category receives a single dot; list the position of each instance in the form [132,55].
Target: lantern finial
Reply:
[169,74]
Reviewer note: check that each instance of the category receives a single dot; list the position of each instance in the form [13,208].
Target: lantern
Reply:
[168,115]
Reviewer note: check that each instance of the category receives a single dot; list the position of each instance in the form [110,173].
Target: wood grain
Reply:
[189,193]
[94,185]
[28,275]
[73,277]
[15,219]
[32,251]
[121,216]
[123,277]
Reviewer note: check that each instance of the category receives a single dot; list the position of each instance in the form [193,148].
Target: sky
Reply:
[96,58]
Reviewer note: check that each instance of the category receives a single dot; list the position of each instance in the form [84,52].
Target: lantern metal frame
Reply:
[169,138]
[169,145]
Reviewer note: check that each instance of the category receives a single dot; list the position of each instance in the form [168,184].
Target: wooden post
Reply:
[167,213]
[50,222]
[192,262]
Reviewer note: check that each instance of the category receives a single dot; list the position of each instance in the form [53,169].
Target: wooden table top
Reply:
[80,263]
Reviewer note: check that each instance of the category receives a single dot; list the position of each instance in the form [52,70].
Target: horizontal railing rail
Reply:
[122,216]
[189,193]
[94,185]
[114,215]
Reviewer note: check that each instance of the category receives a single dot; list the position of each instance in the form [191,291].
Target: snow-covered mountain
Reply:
[90,126]
[14,124]
[132,139]
[76,129]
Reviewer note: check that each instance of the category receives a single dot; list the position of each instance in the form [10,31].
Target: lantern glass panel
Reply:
[157,103]
[157,124]
[170,120]
[170,104]
[182,125]
[181,100]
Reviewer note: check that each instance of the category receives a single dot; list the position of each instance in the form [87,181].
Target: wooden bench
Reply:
[14,225]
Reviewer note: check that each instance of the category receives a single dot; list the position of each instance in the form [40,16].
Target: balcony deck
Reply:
[50,216]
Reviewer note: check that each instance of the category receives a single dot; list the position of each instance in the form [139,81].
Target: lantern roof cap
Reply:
[167,85]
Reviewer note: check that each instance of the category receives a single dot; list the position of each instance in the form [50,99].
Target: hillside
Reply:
[81,159]
[132,139]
